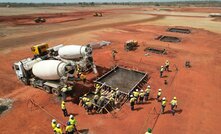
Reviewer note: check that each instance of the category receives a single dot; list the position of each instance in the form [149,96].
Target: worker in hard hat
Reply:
[112,101]
[63,108]
[69,128]
[117,94]
[149,131]
[132,102]
[147,93]
[141,96]
[64,92]
[163,104]
[83,100]
[88,107]
[114,52]
[159,94]
[101,100]
[167,64]
[58,129]
[173,104]
[53,124]
[136,94]
[161,71]
[73,122]
[97,89]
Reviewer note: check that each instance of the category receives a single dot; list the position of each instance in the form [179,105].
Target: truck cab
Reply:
[20,72]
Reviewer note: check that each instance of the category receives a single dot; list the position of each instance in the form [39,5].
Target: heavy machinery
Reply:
[50,69]
[39,20]
[130,45]
[98,14]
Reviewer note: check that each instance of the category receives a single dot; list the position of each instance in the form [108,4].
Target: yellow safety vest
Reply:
[164,103]
[173,102]
[161,69]
[147,90]
[53,125]
[64,89]
[69,128]
[63,106]
[73,121]
[136,94]
[132,100]
[141,94]
[159,93]
[167,63]
[58,130]
[89,104]
[85,99]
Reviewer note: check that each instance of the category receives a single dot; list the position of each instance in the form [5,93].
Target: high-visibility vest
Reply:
[85,99]
[58,130]
[53,125]
[69,128]
[173,102]
[64,89]
[164,103]
[136,94]
[73,121]
[161,69]
[141,94]
[89,104]
[147,90]
[63,106]
[159,93]
[132,100]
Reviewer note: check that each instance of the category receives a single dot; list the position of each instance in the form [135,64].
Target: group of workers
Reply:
[164,68]
[70,127]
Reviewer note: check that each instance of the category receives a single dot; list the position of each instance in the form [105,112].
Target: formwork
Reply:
[168,39]
[179,30]
[156,50]
[126,80]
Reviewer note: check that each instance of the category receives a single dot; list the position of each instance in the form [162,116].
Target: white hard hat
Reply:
[131,95]
[58,125]
[71,116]
[141,90]
[136,89]
[163,98]
[161,66]
[53,121]
[148,86]
[159,89]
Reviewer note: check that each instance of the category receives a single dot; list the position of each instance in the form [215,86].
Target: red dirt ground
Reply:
[197,88]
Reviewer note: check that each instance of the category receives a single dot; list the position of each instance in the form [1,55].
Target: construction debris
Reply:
[168,39]
[5,104]
[179,30]
[131,45]
[100,44]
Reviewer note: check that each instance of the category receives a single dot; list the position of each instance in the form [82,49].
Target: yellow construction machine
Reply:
[40,49]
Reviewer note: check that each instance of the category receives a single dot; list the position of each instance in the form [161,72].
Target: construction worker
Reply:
[83,100]
[63,92]
[173,104]
[161,71]
[53,124]
[83,78]
[141,96]
[117,94]
[89,107]
[58,130]
[69,128]
[158,95]
[167,64]
[73,122]
[63,108]
[114,52]
[112,101]
[149,131]
[97,89]
[101,100]
[147,93]
[132,102]
[163,104]
[136,94]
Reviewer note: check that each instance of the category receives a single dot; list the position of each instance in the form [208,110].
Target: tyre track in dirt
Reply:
[19,41]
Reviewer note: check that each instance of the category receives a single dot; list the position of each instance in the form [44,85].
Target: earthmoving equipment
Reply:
[40,20]
[179,30]
[98,14]
[168,39]
[50,72]
[130,45]
[187,64]
[40,49]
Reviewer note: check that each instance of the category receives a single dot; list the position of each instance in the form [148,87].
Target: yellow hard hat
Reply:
[174,98]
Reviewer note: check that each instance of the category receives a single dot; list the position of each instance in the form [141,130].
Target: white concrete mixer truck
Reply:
[47,71]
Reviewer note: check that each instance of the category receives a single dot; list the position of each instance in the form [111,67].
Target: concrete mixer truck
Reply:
[49,71]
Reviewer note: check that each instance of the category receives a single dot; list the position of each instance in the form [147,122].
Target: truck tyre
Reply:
[47,89]
[55,91]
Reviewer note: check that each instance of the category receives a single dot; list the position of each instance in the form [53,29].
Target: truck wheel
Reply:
[47,89]
[55,91]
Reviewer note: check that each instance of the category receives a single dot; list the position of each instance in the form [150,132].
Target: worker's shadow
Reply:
[177,111]
[164,76]
[84,131]
[138,108]
[144,103]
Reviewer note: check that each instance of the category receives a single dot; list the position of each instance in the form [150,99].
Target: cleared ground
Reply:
[197,88]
